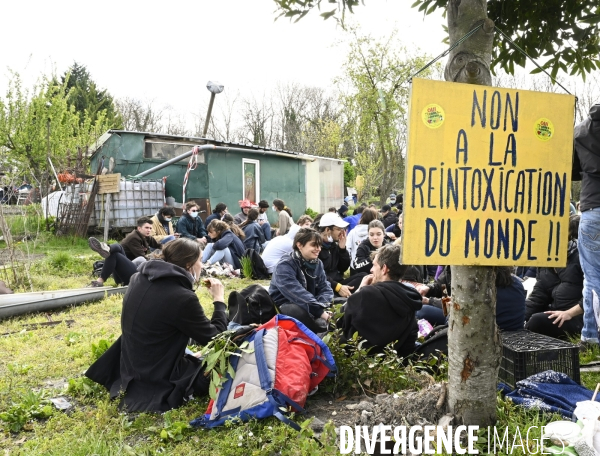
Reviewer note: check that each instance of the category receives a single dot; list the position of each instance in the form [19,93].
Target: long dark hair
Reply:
[182,252]
[503,276]
[279,204]
[251,217]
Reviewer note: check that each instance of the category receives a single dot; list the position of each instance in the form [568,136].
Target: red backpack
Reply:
[288,362]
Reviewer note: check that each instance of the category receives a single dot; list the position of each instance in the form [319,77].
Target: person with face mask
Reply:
[147,367]
[190,224]
[162,228]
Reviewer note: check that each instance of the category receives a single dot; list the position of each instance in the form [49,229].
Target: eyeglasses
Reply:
[194,211]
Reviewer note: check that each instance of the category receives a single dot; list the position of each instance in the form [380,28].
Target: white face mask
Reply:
[274,208]
[167,219]
[193,214]
[329,239]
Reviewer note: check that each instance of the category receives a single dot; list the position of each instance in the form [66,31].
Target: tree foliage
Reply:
[83,94]
[563,33]
[33,120]
[374,97]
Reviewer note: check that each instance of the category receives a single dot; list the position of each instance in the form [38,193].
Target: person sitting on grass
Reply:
[263,221]
[363,261]
[555,306]
[282,245]
[240,217]
[255,236]
[226,246]
[299,286]
[218,213]
[121,260]
[147,367]
[162,228]
[335,256]
[383,308]
[190,225]
[510,299]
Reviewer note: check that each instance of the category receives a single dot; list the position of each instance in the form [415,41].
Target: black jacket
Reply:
[335,261]
[362,260]
[557,288]
[161,312]
[390,219]
[383,313]
[586,159]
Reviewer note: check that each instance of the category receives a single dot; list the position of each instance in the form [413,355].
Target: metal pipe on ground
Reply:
[42,301]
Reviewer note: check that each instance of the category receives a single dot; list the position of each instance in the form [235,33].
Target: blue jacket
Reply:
[255,237]
[234,244]
[352,221]
[191,228]
[288,285]
[211,217]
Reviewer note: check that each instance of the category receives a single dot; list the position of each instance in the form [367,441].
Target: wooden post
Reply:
[107,214]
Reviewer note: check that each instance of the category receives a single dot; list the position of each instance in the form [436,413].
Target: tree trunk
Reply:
[473,340]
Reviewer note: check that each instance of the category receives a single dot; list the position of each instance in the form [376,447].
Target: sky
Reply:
[168,51]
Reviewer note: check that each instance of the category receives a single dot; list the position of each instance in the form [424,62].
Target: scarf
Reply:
[309,265]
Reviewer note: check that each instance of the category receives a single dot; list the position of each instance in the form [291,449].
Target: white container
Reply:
[134,200]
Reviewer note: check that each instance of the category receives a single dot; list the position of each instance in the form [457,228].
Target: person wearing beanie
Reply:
[343,210]
[240,217]
[389,217]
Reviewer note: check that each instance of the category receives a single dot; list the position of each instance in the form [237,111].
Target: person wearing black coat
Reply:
[334,256]
[556,292]
[383,309]
[161,313]
[389,217]
[362,261]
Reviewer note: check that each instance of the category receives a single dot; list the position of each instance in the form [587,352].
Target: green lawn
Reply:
[48,362]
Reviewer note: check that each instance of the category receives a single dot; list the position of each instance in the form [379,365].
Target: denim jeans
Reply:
[589,257]
[213,256]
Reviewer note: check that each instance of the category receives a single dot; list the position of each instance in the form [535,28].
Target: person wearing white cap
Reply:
[334,256]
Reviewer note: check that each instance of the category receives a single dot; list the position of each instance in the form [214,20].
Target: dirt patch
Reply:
[407,408]
[19,256]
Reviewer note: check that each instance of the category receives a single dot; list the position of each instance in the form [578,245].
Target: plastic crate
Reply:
[525,353]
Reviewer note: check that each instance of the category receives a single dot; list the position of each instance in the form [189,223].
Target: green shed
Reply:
[224,172]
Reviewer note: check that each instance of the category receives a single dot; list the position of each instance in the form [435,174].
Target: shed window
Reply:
[166,151]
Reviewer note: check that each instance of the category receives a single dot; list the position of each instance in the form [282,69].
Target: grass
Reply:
[36,365]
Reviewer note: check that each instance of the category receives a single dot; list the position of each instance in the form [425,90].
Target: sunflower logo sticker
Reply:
[544,129]
[433,115]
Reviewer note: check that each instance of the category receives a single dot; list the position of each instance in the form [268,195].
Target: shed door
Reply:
[251,179]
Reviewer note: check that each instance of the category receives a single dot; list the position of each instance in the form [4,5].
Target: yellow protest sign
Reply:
[488,176]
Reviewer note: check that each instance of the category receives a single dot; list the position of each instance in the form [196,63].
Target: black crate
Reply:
[525,353]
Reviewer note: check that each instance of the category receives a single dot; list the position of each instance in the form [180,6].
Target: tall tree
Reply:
[543,28]
[83,93]
[38,122]
[375,104]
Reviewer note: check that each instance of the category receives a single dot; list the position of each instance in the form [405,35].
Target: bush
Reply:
[312,214]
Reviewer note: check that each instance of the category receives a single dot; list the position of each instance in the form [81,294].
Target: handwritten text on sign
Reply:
[487,176]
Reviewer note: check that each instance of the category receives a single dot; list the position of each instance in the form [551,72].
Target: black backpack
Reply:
[251,305]
[97,268]
[259,270]
[436,341]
